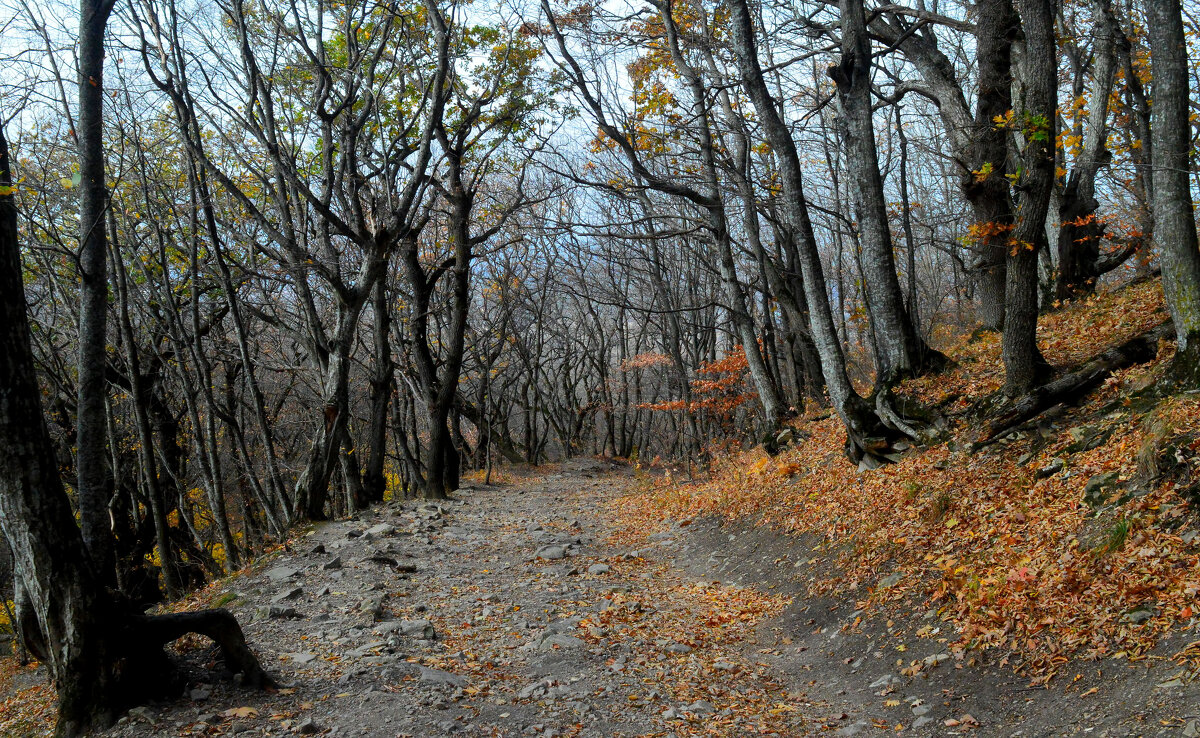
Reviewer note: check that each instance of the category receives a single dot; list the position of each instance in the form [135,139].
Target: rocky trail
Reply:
[528,609]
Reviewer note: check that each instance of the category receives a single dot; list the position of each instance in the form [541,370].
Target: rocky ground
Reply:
[531,609]
[505,612]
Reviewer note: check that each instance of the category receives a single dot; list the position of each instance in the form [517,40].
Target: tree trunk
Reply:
[102,654]
[141,414]
[1023,363]
[383,382]
[865,431]
[1174,216]
[91,439]
[900,351]
[985,185]
[1079,238]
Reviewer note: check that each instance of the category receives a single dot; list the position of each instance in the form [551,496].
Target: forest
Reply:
[268,265]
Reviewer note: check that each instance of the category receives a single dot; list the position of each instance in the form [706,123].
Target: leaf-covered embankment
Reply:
[1070,537]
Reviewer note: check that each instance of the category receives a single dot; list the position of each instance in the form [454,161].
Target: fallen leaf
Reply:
[241,712]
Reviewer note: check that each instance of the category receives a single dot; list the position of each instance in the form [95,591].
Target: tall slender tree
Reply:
[866,431]
[1036,122]
[94,484]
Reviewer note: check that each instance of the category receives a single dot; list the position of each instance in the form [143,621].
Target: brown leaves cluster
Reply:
[24,712]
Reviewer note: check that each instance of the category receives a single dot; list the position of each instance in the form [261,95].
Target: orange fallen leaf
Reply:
[241,712]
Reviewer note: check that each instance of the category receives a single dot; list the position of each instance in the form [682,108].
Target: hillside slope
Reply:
[1073,536]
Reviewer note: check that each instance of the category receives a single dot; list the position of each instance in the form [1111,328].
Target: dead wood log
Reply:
[1070,387]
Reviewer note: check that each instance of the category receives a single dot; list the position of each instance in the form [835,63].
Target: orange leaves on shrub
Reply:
[719,390]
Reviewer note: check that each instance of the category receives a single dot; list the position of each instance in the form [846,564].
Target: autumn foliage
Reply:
[719,390]
[1000,541]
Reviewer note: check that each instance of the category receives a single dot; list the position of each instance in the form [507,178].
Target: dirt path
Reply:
[532,609]
[506,612]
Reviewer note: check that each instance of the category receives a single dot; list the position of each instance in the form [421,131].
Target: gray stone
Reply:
[547,641]
[303,658]
[275,612]
[597,569]
[438,677]
[431,511]
[281,573]
[389,627]
[373,606]
[552,552]
[288,594]
[891,580]
[1192,729]
[334,563]
[678,648]
[306,727]
[380,531]
[1139,615]
[537,689]
[886,680]
[671,714]
[921,722]
[1049,470]
[854,728]
[921,710]
[145,714]
[367,649]
[700,707]
[418,629]
[936,659]
[1097,489]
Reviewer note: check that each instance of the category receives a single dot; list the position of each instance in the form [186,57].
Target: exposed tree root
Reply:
[136,668]
[219,625]
[885,429]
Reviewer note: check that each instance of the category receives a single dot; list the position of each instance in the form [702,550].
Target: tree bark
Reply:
[1079,261]
[979,145]
[102,654]
[900,350]
[1023,363]
[866,432]
[985,185]
[92,439]
[1174,215]
[383,383]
